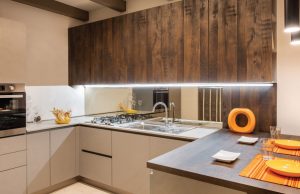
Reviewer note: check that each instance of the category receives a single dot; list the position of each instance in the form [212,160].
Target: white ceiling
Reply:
[82,4]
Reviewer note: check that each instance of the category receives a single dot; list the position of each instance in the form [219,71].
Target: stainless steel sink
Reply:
[158,127]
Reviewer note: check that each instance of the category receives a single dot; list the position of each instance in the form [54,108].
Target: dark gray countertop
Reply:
[194,161]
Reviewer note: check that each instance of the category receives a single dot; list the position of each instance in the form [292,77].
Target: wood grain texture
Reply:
[223,41]
[97,53]
[109,75]
[195,40]
[186,41]
[79,55]
[165,43]
[255,41]
[119,64]
[138,68]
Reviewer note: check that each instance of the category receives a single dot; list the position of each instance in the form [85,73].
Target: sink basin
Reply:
[159,127]
[191,123]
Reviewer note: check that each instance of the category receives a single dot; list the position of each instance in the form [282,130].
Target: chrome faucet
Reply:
[172,108]
[166,110]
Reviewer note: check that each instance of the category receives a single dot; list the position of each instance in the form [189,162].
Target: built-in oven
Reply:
[12,110]
[161,95]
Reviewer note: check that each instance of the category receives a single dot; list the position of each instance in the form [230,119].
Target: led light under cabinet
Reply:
[174,85]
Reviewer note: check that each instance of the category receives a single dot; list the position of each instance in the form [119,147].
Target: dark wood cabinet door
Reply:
[240,41]
[109,74]
[109,64]
[188,41]
[196,40]
[97,53]
[79,55]
[138,69]
[165,43]
[223,17]
[255,41]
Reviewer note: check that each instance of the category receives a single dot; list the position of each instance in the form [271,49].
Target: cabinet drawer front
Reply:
[95,140]
[13,160]
[95,167]
[12,144]
[13,181]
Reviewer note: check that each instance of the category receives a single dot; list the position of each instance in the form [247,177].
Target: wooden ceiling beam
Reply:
[58,7]
[118,5]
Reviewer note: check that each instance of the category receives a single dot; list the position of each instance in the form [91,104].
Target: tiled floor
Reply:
[80,188]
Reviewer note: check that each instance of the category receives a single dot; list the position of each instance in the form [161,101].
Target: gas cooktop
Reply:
[119,119]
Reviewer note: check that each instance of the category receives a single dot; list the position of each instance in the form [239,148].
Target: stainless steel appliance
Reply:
[161,95]
[12,110]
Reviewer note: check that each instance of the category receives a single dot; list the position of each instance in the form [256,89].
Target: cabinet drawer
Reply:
[95,140]
[95,167]
[13,160]
[13,181]
[12,144]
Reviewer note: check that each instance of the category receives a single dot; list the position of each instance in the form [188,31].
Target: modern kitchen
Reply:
[149,96]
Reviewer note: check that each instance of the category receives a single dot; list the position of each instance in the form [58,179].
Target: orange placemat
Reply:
[257,169]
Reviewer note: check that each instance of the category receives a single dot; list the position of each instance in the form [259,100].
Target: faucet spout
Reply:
[166,110]
[172,108]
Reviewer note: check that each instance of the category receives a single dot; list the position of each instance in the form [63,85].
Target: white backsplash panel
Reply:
[42,99]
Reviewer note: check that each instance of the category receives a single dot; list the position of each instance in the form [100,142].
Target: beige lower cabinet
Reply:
[38,161]
[130,153]
[159,146]
[13,181]
[13,165]
[62,154]
[95,167]
[163,183]
[95,154]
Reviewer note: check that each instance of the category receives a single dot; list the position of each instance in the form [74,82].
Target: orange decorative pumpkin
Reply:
[233,126]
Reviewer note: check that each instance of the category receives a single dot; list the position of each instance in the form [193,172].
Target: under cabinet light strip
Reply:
[173,85]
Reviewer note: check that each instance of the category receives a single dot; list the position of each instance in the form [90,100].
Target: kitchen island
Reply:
[194,162]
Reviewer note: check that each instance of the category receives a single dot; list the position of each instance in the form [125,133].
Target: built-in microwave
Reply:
[12,110]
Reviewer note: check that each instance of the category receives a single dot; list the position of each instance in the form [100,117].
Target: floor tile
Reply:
[80,188]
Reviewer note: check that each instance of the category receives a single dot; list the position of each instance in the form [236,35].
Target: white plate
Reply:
[248,140]
[225,156]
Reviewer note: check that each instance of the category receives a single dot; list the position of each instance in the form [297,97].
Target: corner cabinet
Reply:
[63,154]
[51,158]
[38,159]
[80,55]
[130,155]
[186,41]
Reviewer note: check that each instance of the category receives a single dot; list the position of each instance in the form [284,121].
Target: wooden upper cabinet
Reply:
[256,34]
[138,67]
[240,41]
[165,43]
[79,55]
[97,58]
[186,41]
[195,40]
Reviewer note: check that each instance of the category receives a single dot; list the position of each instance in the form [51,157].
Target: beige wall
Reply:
[132,6]
[47,42]
[288,77]
[189,103]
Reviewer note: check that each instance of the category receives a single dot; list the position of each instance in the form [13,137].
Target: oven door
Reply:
[12,114]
